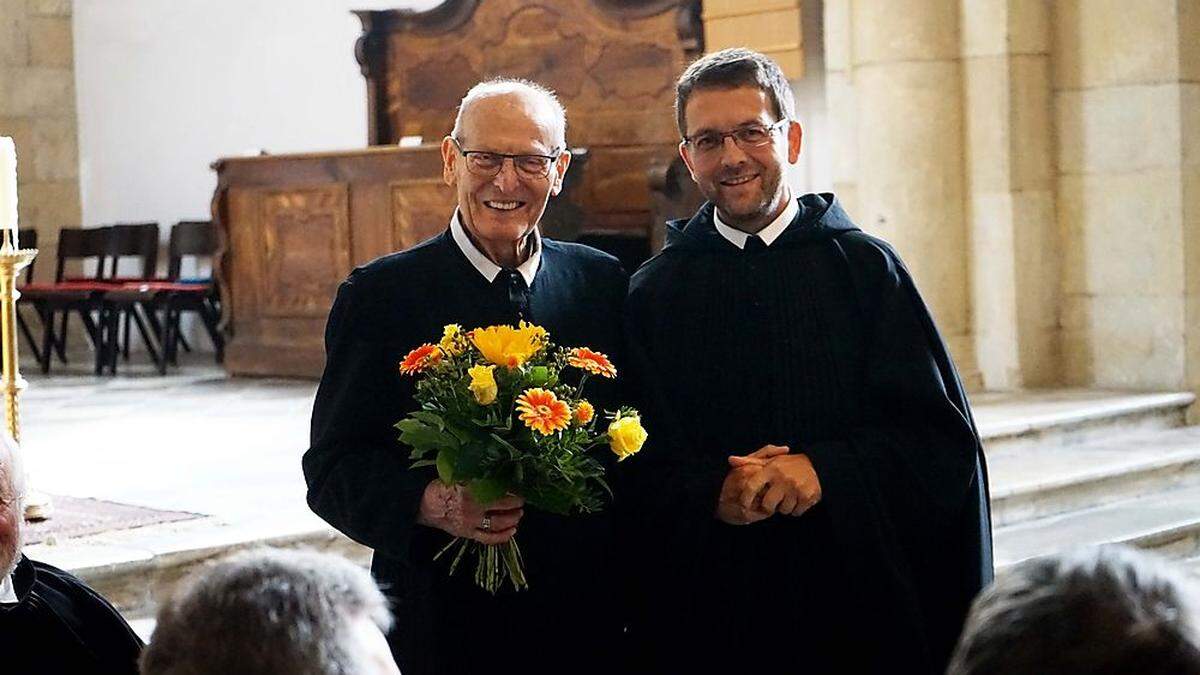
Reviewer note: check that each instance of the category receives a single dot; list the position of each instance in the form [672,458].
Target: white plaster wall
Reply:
[164,87]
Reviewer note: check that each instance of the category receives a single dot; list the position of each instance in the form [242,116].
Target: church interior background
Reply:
[1036,163]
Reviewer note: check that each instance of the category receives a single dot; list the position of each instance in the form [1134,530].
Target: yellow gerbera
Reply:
[507,346]
[543,412]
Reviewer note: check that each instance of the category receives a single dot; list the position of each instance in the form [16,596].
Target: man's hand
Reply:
[790,481]
[730,506]
[452,509]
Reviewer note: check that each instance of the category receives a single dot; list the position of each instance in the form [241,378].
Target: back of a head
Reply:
[1102,611]
[269,612]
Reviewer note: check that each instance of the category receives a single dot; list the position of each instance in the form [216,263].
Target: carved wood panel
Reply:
[305,249]
[613,63]
[421,208]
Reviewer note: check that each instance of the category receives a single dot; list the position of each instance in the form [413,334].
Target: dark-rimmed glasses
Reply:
[487,164]
[748,136]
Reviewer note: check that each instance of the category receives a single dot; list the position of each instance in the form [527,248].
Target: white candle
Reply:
[8,187]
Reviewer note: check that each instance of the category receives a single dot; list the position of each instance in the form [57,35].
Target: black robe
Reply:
[822,343]
[359,478]
[59,625]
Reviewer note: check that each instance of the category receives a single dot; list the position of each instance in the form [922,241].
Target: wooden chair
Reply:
[81,295]
[126,308]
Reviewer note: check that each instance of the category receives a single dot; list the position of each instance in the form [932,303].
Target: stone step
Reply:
[134,568]
[1167,522]
[1043,419]
[1028,483]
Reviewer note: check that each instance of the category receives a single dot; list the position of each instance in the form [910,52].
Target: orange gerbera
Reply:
[584,412]
[542,411]
[420,358]
[592,362]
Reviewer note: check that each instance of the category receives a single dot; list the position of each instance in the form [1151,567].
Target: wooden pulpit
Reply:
[295,225]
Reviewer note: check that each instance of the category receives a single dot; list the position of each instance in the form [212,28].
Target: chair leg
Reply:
[128,335]
[61,339]
[143,327]
[33,345]
[47,340]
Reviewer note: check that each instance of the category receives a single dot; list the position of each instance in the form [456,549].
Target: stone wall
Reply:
[37,108]
[1050,149]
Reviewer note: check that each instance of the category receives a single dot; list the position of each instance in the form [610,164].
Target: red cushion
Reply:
[165,287]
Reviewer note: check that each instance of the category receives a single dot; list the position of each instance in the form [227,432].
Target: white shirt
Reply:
[8,593]
[768,234]
[481,262]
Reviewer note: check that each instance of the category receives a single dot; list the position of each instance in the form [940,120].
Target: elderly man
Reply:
[50,622]
[817,492]
[505,158]
[274,612]
[1106,610]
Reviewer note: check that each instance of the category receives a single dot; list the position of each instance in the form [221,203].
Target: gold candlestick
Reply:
[12,261]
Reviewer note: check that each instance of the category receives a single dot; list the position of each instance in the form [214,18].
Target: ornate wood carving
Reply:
[305,236]
[613,63]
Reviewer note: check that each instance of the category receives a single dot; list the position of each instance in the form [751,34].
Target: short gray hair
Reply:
[12,496]
[730,69]
[1109,609]
[270,611]
[500,86]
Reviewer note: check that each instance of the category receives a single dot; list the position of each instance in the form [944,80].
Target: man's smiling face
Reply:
[745,183]
[505,207]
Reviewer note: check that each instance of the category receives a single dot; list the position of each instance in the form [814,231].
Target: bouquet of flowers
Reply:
[502,412]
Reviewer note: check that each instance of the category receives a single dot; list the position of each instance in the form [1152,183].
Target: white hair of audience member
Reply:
[1102,610]
[510,85]
[274,612]
[12,504]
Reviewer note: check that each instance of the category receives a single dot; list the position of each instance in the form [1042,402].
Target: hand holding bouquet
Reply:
[503,412]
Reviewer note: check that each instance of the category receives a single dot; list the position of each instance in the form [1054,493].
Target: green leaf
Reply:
[423,462]
[445,465]
[430,418]
[487,490]
[419,435]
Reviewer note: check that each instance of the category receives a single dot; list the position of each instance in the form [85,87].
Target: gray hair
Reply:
[12,496]
[500,86]
[1109,609]
[270,611]
[730,69]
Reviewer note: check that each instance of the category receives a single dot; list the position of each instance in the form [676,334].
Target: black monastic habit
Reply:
[819,342]
[359,478]
[59,625]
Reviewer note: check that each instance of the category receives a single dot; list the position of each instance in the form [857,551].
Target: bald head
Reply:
[12,504]
[532,99]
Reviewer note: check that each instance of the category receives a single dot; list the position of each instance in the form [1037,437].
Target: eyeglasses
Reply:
[487,164]
[749,136]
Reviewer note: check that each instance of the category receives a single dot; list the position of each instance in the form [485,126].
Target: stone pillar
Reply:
[1010,176]
[1126,100]
[903,73]
[37,108]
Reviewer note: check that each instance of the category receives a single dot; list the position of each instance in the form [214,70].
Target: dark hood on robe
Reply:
[821,217]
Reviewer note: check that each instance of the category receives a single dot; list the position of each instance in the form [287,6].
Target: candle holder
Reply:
[12,261]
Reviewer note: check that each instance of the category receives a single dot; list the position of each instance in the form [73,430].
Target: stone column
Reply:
[1127,100]
[1010,177]
[37,108]
[905,74]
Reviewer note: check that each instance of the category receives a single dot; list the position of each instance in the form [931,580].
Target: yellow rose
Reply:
[452,339]
[626,436]
[483,384]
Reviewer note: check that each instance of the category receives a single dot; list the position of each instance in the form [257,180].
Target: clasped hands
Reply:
[452,509]
[766,482]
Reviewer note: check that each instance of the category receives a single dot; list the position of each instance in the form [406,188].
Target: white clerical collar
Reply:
[8,592]
[768,234]
[481,262]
